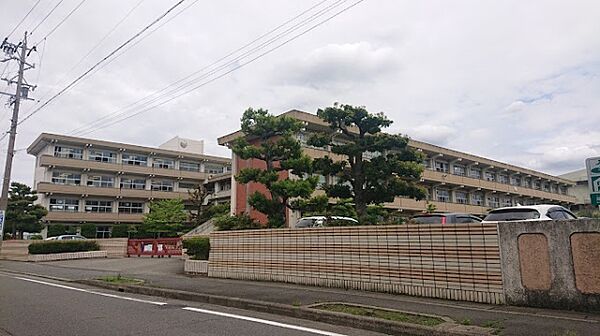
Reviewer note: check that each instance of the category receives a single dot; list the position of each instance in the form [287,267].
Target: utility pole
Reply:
[21,93]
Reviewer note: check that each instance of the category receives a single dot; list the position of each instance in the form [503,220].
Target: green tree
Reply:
[273,143]
[21,214]
[166,216]
[197,211]
[393,169]
[430,208]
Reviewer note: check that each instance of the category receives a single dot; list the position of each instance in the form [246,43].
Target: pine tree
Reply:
[22,214]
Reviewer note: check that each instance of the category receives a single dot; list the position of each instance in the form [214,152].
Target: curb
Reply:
[306,313]
[37,275]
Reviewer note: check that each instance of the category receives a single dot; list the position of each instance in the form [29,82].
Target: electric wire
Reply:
[37,79]
[98,63]
[23,19]
[60,23]
[45,17]
[185,82]
[229,71]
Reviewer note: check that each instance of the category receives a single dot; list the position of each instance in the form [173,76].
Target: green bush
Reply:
[88,230]
[56,230]
[58,246]
[197,248]
[238,222]
[120,231]
[36,237]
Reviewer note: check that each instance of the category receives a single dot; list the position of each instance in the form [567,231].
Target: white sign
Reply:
[593,171]
[1,221]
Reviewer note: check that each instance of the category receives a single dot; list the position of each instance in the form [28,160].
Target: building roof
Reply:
[45,138]
[576,176]
[314,120]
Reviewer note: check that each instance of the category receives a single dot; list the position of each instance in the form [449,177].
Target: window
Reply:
[102,156]
[226,186]
[442,195]
[102,231]
[131,207]
[527,183]
[66,178]
[503,179]
[135,159]
[515,180]
[427,163]
[459,170]
[460,197]
[68,152]
[213,168]
[62,204]
[100,181]
[493,201]
[558,213]
[441,166]
[477,199]
[163,163]
[467,219]
[553,188]
[507,202]
[512,215]
[563,190]
[98,206]
[489,176]
[189,166]
[188,185]
[537,185]
[545,187]
[475,173]
[132,183]
[162,185]
[369,155]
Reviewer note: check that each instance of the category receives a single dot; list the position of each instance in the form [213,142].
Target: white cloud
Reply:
[436,134]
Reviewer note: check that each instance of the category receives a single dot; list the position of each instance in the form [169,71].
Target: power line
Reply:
[60,23]
[229,71]
[23,19]
[46,17]
[100,62]
[185,81]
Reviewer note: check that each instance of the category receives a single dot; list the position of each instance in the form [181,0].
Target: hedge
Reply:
[47,247]
[120,231]
[197,248]
[88,230]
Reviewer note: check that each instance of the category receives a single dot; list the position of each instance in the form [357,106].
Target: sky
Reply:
[514,81]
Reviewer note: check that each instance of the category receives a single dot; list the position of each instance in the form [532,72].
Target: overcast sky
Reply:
[515,81]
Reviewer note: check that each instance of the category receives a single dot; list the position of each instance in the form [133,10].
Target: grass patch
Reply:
[465,321]
[382,314]
[118,279]
[496,325]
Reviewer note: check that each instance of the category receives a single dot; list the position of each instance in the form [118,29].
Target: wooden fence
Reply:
[460,262]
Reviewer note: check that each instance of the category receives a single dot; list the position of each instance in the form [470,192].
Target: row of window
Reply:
[476,198]
[476,173]
[72,205]
[107,156]
[105,181]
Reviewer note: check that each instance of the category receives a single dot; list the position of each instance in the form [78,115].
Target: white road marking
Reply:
[91,292]
[257,320]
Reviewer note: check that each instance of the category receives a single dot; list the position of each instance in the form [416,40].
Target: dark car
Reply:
[445,218]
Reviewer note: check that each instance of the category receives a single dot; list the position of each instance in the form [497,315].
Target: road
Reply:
[37,306]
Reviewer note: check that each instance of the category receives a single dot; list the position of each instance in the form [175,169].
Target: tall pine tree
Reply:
[21,214]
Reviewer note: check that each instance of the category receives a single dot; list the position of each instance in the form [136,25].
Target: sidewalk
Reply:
[168,273]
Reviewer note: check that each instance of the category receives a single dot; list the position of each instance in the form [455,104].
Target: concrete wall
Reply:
[18,249]
[553,264]
[458,262]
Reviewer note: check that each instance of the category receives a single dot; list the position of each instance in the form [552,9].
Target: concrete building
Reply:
[107,183]
[581,189]
[456,181]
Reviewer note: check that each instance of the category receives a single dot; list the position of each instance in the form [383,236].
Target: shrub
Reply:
[197,248]
[56,230]
[238,222]
[120,231]
[36,237]
[88,230]
[58,246]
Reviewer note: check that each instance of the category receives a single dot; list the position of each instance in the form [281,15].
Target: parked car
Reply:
[540,212]
[67,237]
[445,218]
[320,221]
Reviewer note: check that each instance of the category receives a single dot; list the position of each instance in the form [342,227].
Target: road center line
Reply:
[91,292]
[257,320]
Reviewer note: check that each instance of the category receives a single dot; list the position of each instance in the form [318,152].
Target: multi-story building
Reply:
[581,189]
[455,181]
[107,183]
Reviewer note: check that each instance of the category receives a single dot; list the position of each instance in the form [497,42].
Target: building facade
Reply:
[83,181]
[455,181]
[581,189]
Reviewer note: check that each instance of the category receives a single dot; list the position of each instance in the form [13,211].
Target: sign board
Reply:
[592,166]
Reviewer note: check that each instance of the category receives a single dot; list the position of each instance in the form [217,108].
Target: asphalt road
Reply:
[37,306]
